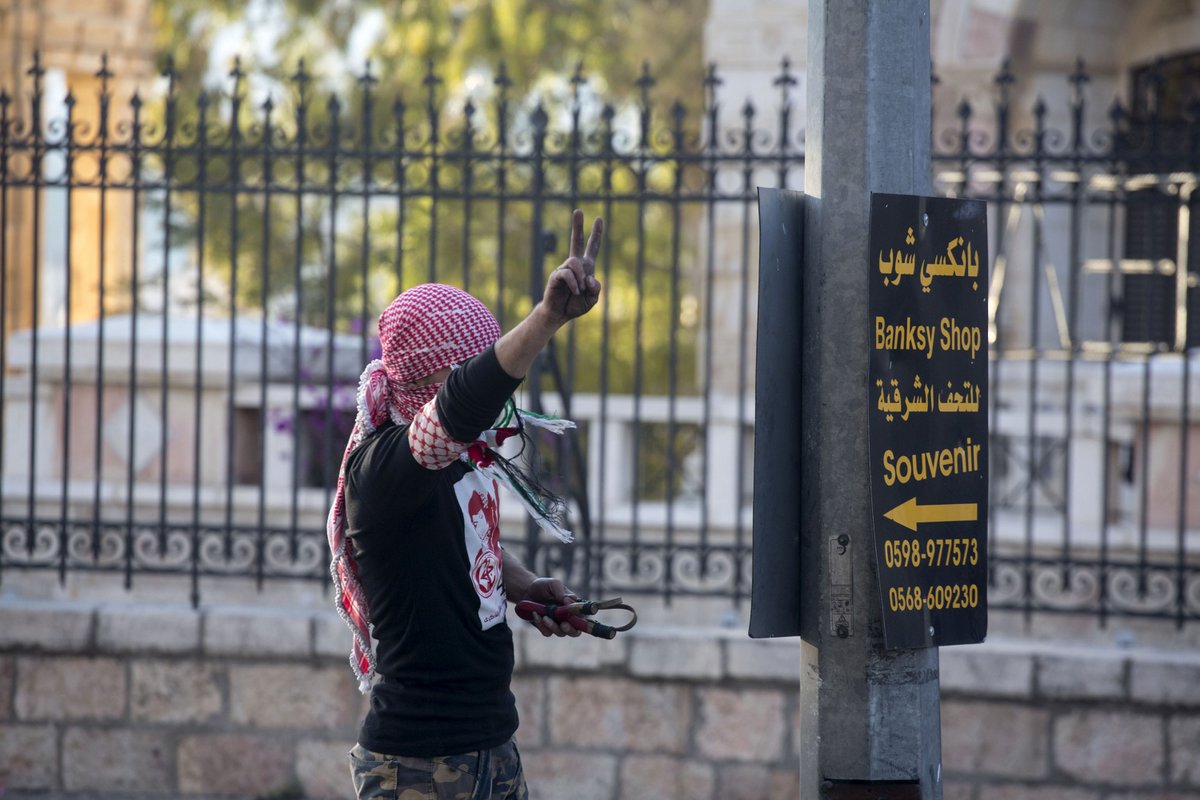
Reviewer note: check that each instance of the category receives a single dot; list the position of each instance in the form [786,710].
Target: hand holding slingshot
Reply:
[575,614]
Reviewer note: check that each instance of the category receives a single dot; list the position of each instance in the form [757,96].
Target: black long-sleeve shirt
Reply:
[427,547]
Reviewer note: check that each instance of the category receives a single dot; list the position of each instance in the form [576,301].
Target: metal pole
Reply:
[867,714]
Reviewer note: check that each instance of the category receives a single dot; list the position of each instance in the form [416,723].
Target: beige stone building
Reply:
[71,39]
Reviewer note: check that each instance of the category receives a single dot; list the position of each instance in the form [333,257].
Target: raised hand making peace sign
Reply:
[572,289]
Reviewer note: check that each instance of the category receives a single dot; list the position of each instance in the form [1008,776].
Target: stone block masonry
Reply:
[240,702]
[251,703]
[1041,720]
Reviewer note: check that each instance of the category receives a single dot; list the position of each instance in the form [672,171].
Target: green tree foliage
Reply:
[422,184]
[534,38]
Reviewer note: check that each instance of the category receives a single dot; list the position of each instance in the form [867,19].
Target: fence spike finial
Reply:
[502,80]
[540,119]
[711,79]
[169,72]
[104,73]
[965,110]
[431,78]
[645,81]
[301,78]
[398,111]
[70,100]
[711,82]
[1078,79]
[1079,75]
[367,79]
[1004,80]
[785,77]
[785,81]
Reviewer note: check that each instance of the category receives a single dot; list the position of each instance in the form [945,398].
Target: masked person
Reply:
[414,532]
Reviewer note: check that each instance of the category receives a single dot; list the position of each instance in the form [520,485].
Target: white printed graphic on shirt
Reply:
[480,503]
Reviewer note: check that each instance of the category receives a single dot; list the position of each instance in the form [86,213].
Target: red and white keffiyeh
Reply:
[425,330]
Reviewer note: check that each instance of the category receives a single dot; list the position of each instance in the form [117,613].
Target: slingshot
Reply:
[574,614]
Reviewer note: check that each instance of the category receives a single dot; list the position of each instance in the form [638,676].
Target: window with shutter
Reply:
[1161,138]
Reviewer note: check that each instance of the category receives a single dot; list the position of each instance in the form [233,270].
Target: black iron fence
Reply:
[189,289]
[1095,321]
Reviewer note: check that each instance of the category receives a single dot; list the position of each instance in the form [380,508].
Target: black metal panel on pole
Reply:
[775,586]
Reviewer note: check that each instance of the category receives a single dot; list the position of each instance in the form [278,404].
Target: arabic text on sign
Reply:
[961,260]
[894,404]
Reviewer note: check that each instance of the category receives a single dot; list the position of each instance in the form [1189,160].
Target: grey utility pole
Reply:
[870,716]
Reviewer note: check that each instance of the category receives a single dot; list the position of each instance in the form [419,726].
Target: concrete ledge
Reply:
[147,629]
[763,659]
[331,635]
[1170,681]
[987,670]
[46,626]
[582,654]
[675,653]
[248,632]
[1071,676]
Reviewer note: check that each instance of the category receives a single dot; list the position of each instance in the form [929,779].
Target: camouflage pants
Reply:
[493,774]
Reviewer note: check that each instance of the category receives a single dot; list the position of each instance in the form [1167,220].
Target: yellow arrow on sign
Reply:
[910,515]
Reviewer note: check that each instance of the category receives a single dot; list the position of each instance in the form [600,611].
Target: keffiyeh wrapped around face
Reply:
[425,330]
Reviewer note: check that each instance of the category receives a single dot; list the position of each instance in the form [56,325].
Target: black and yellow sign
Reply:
[928,392]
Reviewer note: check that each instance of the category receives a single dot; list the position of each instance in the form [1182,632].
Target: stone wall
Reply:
[159,701]
[1034,720]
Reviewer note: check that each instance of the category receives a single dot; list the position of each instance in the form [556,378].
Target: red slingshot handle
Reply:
[559,613]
